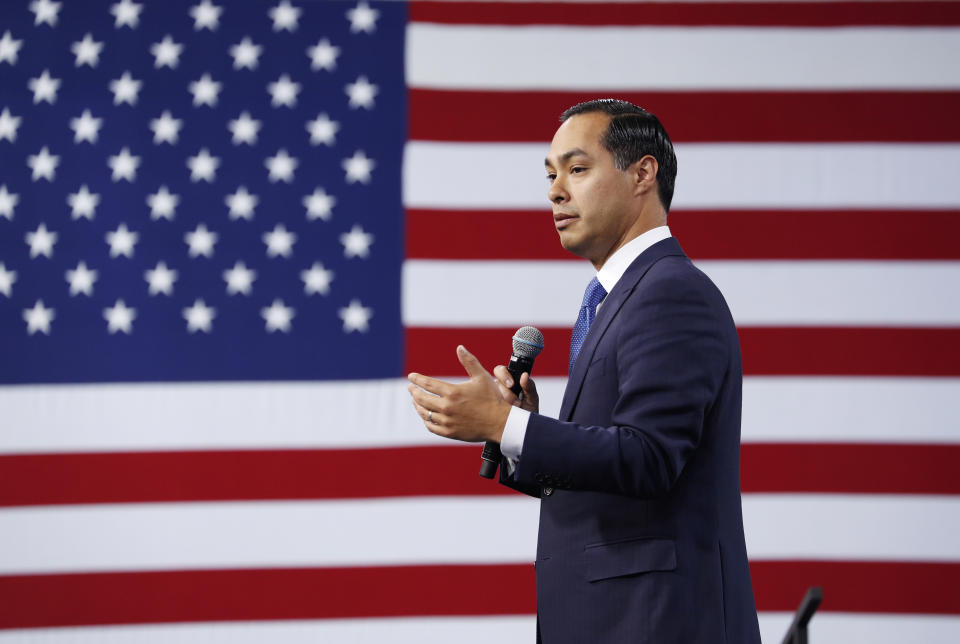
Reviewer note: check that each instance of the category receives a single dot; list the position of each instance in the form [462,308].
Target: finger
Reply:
[434,386]
[426,400]
[527,384]
[470,363]
[503,376]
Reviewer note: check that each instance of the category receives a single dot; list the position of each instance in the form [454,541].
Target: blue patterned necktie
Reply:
[588,312]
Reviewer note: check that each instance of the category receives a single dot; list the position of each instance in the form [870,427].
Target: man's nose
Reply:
[556,194]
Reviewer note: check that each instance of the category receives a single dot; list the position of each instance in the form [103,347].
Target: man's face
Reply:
[591,198]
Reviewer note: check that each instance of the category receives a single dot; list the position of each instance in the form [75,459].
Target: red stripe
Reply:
[698,117]
[33,601]
[44,479]
[849,468]
[767,351]
[781,234]
[60,479]
[753,14]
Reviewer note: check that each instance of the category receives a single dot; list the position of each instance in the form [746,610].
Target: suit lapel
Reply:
[608,311]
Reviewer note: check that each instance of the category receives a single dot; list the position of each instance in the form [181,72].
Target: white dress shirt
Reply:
[511,444]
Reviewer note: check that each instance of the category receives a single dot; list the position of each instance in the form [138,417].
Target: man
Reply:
[641,531]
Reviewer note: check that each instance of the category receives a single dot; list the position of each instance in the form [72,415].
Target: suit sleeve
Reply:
[660,366]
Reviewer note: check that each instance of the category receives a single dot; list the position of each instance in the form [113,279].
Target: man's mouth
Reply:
[562,220]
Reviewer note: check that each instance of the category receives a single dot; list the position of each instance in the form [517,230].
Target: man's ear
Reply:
[644,173]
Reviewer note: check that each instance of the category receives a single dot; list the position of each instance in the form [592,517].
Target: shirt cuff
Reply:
[511,443]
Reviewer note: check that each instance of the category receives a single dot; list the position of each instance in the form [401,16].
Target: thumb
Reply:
[470,363]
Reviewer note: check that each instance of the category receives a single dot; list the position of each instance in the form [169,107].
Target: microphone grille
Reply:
[527,342]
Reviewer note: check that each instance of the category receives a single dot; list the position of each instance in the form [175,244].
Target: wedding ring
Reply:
[430,417]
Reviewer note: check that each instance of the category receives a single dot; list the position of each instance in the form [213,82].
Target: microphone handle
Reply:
[490,457]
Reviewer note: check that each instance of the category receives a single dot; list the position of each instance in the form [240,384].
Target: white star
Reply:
[166,129]
[278,316]
[279,241]
[127,13]
[44,88]
[205,91]
[41,242]
[244,129]
[124,166]
[206,15]
[38,318]
[281,166]
[87,51]
[83,203]
[284,92]
[358,167]
[322,130]
[125,89]
[239,279]
[361,93]
[43,164]
[120,317]
[45,11]
[203,167]
[122,241]
[200,241]
[166,53]
[81,280]
[8,201]
[85,127]
[285,16]
[356,243]
[163,204]
[356,317]
[316,279]
[319,205]
[9,48]
[363,18]
[9,125]
[323,55]
[160,279]
[245,54]
[199,317]
[7,278]
[241,204]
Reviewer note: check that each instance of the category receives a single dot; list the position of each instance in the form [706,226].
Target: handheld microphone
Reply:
[527,345]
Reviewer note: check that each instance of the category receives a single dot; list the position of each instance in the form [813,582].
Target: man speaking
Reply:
[641,529]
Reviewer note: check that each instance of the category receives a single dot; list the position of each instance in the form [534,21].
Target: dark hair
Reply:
[633,133]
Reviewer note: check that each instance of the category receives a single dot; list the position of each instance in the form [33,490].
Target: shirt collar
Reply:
[614,268]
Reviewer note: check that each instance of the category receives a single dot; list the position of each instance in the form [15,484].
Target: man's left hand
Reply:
[472,411]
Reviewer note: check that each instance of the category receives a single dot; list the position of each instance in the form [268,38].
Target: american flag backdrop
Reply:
[228,229]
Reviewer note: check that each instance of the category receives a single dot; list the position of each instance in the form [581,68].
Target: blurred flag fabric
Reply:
[228,229]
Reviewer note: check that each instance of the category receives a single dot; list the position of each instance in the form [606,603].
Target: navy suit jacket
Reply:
[641,529]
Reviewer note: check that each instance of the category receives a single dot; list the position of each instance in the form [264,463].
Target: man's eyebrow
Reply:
[566,156]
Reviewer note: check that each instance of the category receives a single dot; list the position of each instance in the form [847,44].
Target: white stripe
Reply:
[826,628]
[428,530]
[504,629]
[599,58]
[781,293]
[139,417]
[710,175]
[872,628]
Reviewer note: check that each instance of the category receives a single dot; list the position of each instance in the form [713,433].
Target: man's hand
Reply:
[472,411]
[530,400]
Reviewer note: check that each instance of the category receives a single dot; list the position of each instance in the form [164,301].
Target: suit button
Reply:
[547,491]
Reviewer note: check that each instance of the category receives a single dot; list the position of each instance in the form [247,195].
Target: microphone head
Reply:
[527,342]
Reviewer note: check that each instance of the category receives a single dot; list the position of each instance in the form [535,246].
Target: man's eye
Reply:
[577,170]
[551,177]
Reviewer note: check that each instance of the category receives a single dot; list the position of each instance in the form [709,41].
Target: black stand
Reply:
[797,633]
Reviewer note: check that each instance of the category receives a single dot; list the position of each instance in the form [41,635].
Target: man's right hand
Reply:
[530,400]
